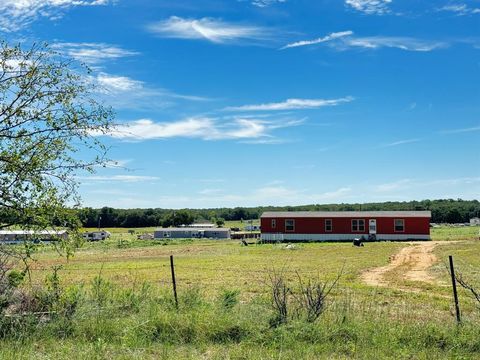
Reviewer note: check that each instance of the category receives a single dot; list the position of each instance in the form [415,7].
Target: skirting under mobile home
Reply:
[345,225]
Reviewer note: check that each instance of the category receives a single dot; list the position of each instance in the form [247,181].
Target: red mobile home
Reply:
[345,225]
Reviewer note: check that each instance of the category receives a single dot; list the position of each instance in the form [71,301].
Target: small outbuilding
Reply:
[475,221]
[344,225]
[192,233]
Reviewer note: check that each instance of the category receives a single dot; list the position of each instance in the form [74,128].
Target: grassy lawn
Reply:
[125,309]
[455,233]
[213,264]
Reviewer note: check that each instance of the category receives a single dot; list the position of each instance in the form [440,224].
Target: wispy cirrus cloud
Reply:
[401,142]
[116,164]
[266,3]
[460,9]
[124,92]
[370,7]
[93,53]
[213,30]
[329,37]
[404,184]
[462,130]
[397,42]
[346,40]
[292,104]
[17,14]
[205,128]
[393,186]
[117,178]
[115,83]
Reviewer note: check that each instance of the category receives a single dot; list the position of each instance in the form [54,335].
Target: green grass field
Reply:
[124,306]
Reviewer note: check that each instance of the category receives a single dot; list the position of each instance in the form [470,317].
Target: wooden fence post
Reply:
[454,285]
[173,281]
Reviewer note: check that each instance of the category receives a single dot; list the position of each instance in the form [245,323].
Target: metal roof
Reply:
[32,232]
[185,229]
[344,214]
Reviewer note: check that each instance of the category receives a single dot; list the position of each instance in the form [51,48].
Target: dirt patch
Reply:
[412,264]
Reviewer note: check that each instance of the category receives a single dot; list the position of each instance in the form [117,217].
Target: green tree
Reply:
[177,218]
[49,123]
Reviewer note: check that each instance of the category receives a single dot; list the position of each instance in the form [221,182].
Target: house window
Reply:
[328,225]
[358,225]
[290,225]
[399,225]
[274,223]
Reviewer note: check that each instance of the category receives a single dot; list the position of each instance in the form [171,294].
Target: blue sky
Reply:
[274,102]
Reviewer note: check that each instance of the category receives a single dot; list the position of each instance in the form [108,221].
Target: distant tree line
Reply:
[443,211]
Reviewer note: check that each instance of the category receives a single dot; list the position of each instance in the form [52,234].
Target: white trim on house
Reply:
[358,227]
[395,225]
[339,237]
[293,225]
[330,225]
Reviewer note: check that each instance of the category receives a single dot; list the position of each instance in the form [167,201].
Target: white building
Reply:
[475,221]
[192,233]
[96,235]
[18,236]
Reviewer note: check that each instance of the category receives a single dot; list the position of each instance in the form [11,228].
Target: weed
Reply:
[229,298]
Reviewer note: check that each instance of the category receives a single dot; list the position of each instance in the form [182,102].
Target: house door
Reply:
[372,226]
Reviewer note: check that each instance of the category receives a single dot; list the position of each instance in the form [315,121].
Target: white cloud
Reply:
[329,37]
[463,130]
[210,191]
[401,142]
[266,3]
[403,43]
[125,92]
[212,30]
[333,195]
[393,186]
[115,164]
[266,141]
[93,53]
[345,40]
[409,184]
[460,9]
[370,7]
[292,104]
[117,178]
[200,127]
[275,192]
[112,83]
[145,129]
[16,14]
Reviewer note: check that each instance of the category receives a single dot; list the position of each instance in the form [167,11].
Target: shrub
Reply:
[280,293]
[312,296]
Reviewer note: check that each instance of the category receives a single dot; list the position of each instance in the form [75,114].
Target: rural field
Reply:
[114,299]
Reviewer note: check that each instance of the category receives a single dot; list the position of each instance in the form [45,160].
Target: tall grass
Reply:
[100,320]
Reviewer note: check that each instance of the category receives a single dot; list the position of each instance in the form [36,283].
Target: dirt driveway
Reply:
[411,263]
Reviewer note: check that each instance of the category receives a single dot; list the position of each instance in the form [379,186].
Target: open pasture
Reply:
[125,309]
[212,266]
